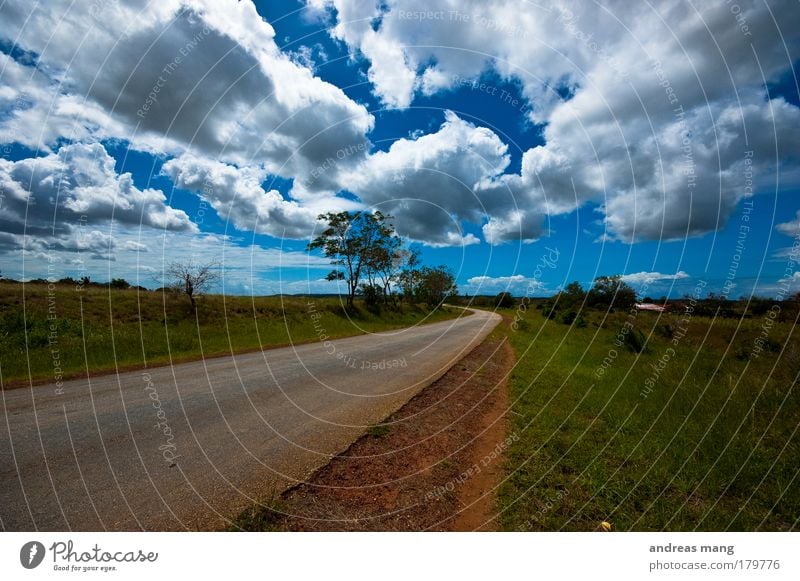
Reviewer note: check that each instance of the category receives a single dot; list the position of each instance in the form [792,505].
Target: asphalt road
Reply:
[191,445]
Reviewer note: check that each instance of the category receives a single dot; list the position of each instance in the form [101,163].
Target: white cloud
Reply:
[665,103]
[790,228]
[203,81]
[661,114]
[515,284]
[792,283]
[134,246]
[173,77]
[640,278]
[783,289]
[237,196]
[428,182]
[50,198]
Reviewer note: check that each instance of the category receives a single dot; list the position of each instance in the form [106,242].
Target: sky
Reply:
[522,145]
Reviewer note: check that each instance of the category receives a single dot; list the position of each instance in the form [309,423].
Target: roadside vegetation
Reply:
[369,256]
[47,330]
[51,330]
[678,420]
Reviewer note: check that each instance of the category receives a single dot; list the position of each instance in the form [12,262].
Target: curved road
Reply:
[191,445]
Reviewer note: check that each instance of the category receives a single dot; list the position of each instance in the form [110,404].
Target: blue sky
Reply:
[656,145]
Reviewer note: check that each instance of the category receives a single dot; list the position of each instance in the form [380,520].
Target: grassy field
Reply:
[698,431]
[47,332]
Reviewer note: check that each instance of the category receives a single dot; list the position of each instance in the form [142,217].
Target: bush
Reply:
[611,292]
[373,296]
[119,283]
[436,285]
[504,300]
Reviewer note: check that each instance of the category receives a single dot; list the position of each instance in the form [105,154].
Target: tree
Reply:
[611,292]
[119,283]
[384,259]
[435,285]
[504,300]
[192,279]
[353,241]
[573,295]
[408,278]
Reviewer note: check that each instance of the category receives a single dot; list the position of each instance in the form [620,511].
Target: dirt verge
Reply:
[432,465]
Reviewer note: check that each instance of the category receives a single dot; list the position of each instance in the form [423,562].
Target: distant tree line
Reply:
[611,293]
[85,281]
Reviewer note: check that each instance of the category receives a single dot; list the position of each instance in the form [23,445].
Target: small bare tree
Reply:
[192,279]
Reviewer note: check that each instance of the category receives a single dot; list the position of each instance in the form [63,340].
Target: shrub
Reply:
[373,296]
[504,300]
[119,283]
[666,331]
[634,340]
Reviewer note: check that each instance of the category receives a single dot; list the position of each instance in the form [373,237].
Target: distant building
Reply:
[650,307]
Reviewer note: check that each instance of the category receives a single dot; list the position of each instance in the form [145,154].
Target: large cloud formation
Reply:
[237,196]
[427,183]
[202,81]
[49,198]
[171,77]
[656,113]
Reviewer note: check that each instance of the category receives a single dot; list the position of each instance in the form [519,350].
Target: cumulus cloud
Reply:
[665,128]
[237,196]
[49,198]
[205,77]
[639,278]
[428,182]
[202,81]
[515,284]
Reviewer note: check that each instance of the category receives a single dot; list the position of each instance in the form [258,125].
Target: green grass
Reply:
[264,516]
[102,330]
[378,431]
[712,447]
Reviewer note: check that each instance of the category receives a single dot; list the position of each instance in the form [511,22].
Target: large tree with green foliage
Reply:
[408,278]
[357,243]
[435,285]
[384,260]
[504,300]
[611,292]
[572,296]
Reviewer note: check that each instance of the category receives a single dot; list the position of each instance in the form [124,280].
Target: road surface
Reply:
[191,445]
